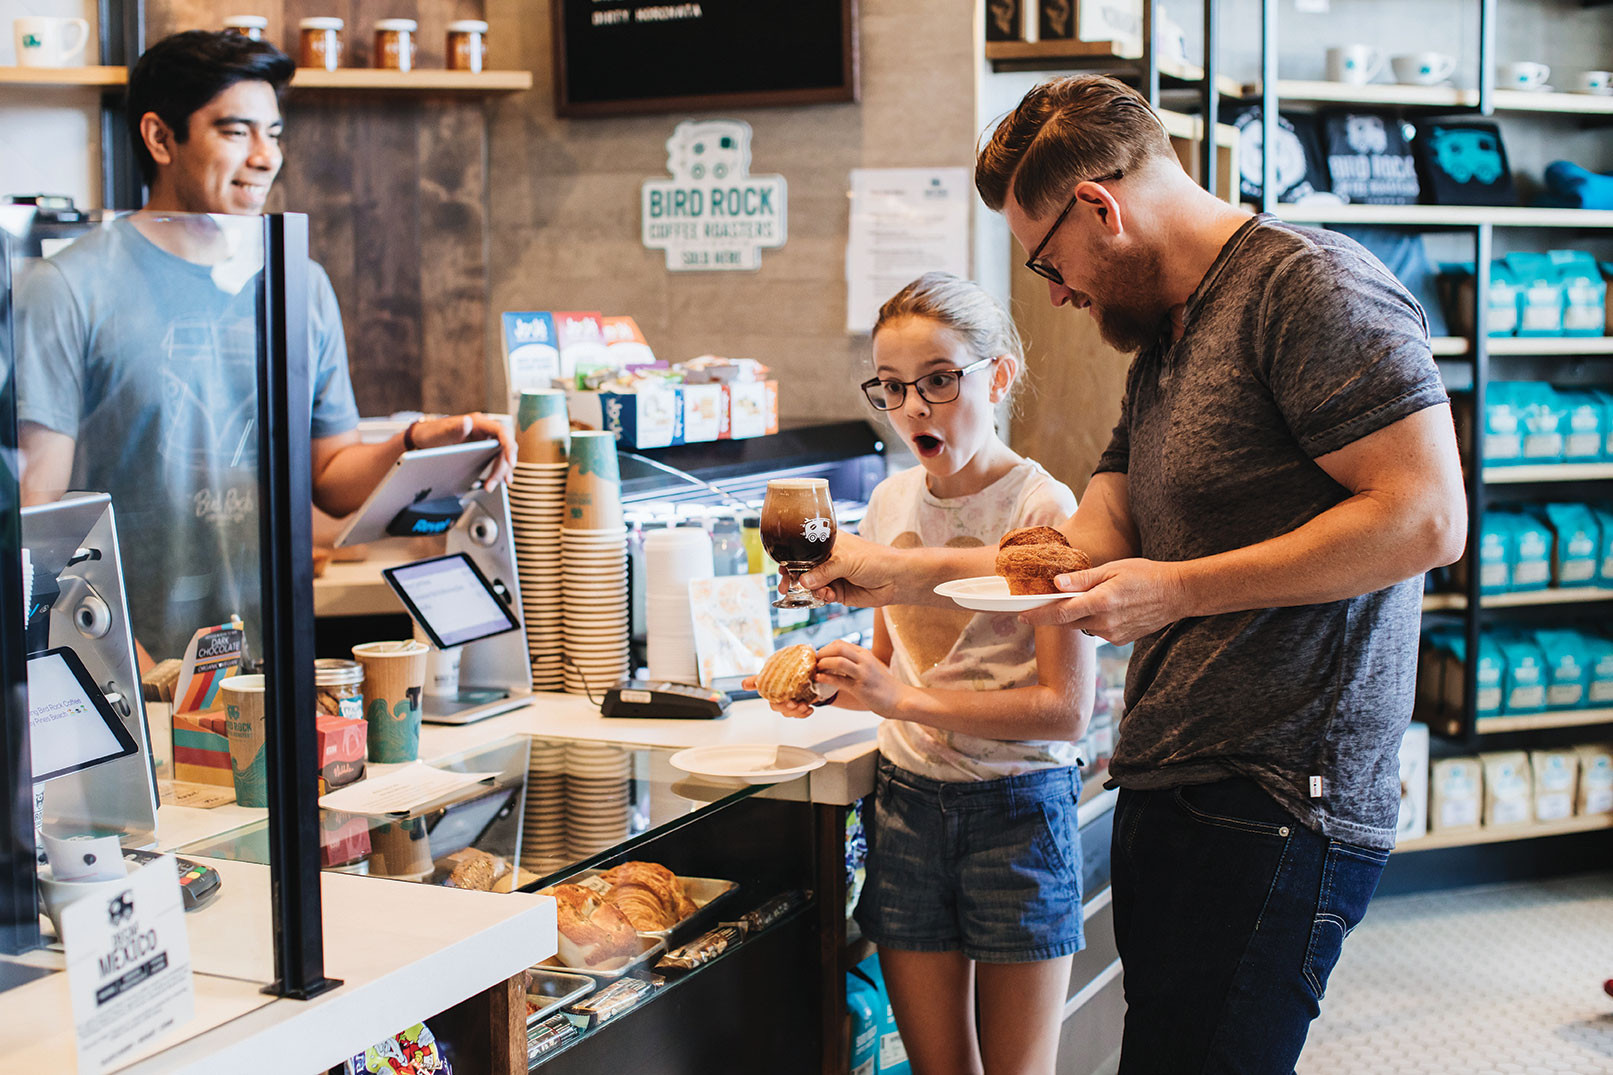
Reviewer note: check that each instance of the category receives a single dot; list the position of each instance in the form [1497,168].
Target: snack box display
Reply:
[1455,794]
[341,742]
[750,409]
[1508,789]
[651,417]
[201,755]
[1555,773]
[1595,794]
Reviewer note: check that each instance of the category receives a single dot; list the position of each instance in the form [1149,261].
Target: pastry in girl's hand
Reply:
[1031,557]
[786,676]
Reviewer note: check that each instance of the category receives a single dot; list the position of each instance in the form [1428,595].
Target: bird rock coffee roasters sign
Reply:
[712,214]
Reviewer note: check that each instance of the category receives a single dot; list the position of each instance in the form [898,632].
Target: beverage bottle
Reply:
[729,556]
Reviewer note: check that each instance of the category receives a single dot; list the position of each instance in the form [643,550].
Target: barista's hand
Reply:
[458,428]
[857,572]
[1120,601]
[862,680]
[798,710]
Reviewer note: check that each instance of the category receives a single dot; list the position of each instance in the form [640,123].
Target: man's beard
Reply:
[1133,315]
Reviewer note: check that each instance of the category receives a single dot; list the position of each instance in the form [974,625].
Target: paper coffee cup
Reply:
[401,849]
[542,428]
[593,483]
[394,679]
[245,721]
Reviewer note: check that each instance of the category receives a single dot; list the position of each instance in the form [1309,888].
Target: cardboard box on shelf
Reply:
[1555,773]
[1508,789]
[1455,794]
[1413,818]
[1595,789]
[341,743]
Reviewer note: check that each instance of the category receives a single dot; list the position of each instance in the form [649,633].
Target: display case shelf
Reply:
[1447,216]
[1455,602]
[346,78]
[1393,95]
[1548,472]
[1528,346]
[1561,718]
[1438,840]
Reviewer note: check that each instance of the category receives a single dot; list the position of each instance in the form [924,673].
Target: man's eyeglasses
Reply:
[1045,269]
[937,386]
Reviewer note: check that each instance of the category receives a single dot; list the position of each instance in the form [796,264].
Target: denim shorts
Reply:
[991,868]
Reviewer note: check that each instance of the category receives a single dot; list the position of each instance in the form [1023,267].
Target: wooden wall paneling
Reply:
[318,180]
[453,247]
[1070,399]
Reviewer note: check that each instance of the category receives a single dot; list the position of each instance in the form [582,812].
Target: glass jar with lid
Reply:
[394,44]
[320,42]
[339,686]
[467,45]
[253,26]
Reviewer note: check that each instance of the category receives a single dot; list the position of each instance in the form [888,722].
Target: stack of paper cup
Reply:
[537,504]
[598,807]
[593,567]
[671,558]
[543,835]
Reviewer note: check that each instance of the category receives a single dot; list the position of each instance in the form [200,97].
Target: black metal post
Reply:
[285,546]
[1150,59]
[1268,104]
[19,916]
[1484,236]
[123,39]
[1212,102]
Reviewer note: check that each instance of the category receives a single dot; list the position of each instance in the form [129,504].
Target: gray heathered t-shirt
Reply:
[1297,343]
[150,363]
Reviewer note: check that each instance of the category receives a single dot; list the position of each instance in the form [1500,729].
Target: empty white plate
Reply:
[748,763]
[989,593]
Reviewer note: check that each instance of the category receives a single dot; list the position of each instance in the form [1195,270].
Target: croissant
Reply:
[659,880]
[786,676]
[641,906]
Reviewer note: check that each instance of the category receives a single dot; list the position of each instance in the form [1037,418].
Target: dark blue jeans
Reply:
[1229,916]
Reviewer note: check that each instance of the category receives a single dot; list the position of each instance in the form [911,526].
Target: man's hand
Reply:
[857,572]
[458,428]
[1120,601]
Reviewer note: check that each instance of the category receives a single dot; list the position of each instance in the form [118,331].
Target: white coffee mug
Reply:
[44,41]
[1595,81]
[1353,64]
[1523,75]
[1423,68]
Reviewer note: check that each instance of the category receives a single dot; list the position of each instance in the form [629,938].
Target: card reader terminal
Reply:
[675,701]
[198,884]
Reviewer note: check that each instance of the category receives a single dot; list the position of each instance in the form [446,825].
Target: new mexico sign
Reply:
[712,213]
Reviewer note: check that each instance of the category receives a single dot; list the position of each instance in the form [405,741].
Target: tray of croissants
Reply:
[613,920]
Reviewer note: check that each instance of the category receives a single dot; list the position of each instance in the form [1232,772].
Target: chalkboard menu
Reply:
[613,57]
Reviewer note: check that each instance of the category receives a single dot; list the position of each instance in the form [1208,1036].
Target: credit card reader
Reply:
[666,701]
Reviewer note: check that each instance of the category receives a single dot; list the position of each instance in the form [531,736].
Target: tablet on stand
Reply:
[439,491]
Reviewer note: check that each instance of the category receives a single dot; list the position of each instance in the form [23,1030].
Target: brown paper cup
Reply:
[401,849]
[542,428]
[394,678]
[245,721]
[593,483]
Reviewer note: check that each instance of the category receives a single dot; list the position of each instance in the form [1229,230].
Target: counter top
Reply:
[844,736]
[404,952]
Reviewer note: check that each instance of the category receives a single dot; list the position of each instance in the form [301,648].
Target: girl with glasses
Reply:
[974,863]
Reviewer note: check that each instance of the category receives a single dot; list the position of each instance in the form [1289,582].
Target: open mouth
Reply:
[926,445]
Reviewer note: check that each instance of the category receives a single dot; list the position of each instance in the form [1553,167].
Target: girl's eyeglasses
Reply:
[937,386]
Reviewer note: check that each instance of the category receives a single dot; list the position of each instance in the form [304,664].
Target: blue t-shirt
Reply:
[149,362]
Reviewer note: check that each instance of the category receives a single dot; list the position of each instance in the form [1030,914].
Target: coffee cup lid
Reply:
[242,684]
[401,648]
[397,24]
[321,22]
[467,26]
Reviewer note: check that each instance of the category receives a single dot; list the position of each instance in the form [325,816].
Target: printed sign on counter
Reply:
[128,966]
[712,214]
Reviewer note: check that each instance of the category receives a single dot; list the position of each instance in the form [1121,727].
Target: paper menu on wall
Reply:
[904,222]
[732,632]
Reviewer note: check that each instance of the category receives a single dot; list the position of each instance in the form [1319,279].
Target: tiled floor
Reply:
[1503,979]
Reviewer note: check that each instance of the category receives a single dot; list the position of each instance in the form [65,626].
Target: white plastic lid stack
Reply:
[672,558]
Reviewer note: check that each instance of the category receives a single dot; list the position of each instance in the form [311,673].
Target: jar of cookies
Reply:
[394,44]
[467,45]
[253,26]
[320,43]
[339,686]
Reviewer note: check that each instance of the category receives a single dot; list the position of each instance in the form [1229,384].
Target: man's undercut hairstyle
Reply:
[181,73]
[1066,131]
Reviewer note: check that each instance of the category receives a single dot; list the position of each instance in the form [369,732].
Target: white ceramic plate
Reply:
[989,593]
[748,763]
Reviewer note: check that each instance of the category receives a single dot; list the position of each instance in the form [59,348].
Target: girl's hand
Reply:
[789,709]
[863,680]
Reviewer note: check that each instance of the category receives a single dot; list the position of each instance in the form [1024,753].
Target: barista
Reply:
[137,350]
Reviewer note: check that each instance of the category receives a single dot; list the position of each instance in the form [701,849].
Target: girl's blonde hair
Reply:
[962,306]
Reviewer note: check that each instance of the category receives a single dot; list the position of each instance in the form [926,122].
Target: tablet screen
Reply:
[451,600]
[70,724]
